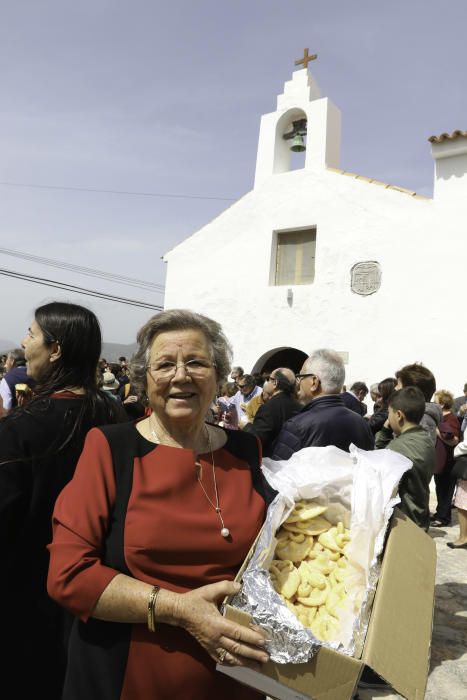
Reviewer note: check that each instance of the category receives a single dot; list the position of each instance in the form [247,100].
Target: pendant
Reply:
[225,532]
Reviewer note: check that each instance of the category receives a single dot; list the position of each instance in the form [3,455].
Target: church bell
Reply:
[298,144]
[296,136]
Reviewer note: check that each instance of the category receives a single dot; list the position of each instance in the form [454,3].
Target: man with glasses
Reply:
[324,419]
[282,405]
[247,390]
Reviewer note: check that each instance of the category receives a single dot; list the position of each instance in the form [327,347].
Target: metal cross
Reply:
[306,59]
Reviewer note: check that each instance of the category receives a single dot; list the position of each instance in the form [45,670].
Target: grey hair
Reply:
[240,370]
[17,355]
[179,320]
[329,368]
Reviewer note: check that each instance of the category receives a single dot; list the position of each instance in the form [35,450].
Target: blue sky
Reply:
[155,97]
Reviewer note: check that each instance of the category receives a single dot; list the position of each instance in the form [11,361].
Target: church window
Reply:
[295,257]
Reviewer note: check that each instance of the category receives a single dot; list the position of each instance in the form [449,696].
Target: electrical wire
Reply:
[79,290]
[90,272]
[168,195]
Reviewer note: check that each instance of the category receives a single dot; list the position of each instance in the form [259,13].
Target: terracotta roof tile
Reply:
[404,190]
[447,137]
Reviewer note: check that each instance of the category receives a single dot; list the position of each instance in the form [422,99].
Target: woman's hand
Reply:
[197,612]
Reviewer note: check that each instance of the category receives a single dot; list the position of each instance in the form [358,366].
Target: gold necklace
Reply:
[156,437]
[225,532]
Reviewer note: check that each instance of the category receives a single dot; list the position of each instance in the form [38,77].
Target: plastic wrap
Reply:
[358,489]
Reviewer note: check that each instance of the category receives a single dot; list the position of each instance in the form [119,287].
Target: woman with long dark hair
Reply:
[380,415]
[39,448]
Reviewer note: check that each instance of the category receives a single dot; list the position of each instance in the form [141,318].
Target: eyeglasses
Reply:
[299,377]
[196,369]
[244,386]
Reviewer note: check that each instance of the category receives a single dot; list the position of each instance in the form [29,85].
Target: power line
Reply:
[168,195]
[100,274]
[80,290]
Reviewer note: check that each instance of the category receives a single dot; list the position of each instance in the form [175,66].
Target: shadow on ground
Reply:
[450,623]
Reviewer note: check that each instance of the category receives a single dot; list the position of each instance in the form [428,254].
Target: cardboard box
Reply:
[397,644]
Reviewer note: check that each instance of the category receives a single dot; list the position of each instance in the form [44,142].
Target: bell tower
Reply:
[303,121]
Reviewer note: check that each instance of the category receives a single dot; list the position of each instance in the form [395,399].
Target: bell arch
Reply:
[284,159]
[284,356]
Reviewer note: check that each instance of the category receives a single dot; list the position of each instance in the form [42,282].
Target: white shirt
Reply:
[5,393]
[239,399]
[461,448]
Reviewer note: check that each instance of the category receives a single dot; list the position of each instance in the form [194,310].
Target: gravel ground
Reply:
[447,679]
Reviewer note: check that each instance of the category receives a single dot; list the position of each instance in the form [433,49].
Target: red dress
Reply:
[170,537]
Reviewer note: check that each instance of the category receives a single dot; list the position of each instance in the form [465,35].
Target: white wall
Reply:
[223,271]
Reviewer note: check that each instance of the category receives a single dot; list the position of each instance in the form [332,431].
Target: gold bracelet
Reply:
[152,607]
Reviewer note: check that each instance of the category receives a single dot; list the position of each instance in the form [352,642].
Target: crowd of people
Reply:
[131,492]
[314,408]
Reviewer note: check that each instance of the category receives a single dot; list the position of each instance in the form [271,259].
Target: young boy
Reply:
[406,409]
[421,377]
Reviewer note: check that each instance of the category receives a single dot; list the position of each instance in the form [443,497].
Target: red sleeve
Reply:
[77,576]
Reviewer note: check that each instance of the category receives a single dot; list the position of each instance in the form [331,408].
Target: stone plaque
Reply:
[365,278]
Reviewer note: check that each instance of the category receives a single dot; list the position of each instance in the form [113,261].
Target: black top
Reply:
[270,418]
[32,473]
[378,419]
[353,403]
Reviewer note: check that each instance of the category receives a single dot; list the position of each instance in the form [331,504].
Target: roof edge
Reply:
[448,137]
[372,181]
[168,252]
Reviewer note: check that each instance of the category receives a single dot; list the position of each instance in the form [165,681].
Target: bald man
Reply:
[282,405]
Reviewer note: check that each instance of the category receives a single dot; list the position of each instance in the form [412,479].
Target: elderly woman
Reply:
[39,447]
[447,437]
[151,532]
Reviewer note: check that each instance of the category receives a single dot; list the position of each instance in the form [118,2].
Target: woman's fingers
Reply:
[217,591]
[243,643]
[240,651]
[229,659]
[225,640]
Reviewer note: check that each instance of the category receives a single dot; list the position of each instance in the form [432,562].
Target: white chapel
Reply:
[339,260]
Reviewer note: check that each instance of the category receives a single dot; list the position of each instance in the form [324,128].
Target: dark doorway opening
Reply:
[280,357]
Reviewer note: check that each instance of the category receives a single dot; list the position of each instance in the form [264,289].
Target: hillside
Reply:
[111,351]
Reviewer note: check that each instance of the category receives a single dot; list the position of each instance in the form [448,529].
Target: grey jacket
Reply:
[431,419]
[414,486]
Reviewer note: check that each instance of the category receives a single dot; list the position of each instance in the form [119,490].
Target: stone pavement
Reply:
[447,679]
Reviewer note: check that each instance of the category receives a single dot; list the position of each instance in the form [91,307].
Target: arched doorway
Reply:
[280,357]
